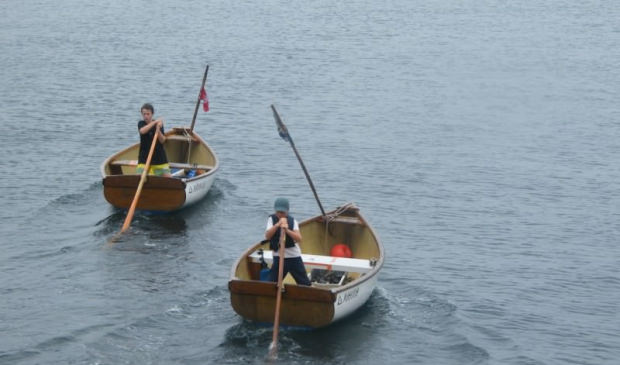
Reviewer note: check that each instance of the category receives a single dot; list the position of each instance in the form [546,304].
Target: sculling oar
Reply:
[147,165]
[283,131]
[202,95]
[134,203]
[273,347]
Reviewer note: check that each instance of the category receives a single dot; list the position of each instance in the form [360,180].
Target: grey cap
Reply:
[281,205]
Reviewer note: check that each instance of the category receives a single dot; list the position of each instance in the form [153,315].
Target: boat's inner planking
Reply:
[322,269]
[318,240]
[322,262]
[178,169]
[183,151]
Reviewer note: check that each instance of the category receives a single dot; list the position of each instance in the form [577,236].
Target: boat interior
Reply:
[187,156]
[319,236]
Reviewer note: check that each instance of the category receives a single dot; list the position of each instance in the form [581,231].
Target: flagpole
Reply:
[283,131]
[204,79]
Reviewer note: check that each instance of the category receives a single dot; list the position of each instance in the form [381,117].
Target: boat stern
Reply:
[158,193]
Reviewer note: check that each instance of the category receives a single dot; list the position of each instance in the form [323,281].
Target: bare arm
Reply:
[147,127]
[295,235]
[159,123]
[160,136]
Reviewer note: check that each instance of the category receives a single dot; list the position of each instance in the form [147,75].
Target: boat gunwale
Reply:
[172,131]
[357,282]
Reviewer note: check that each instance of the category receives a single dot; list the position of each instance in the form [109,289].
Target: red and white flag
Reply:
[205,99]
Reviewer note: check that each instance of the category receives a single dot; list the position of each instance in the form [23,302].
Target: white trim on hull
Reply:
[350,300]
[196,189]
[326,301]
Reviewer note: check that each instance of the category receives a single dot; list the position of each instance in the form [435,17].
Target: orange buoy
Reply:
[341,250]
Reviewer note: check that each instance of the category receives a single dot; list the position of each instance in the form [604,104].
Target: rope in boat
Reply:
[331,216]
[189,143]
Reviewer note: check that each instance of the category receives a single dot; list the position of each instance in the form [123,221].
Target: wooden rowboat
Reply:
[322,303]
[193,164]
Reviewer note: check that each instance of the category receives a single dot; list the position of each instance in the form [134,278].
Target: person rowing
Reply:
[147,128]
[292,252]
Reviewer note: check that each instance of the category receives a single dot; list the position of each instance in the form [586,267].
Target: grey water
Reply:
[479,138]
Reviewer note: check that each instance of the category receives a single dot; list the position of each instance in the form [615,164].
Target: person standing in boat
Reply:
[292,253]
[147,127]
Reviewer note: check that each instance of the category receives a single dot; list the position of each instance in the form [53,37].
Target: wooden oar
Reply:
[273,347]
[147,165]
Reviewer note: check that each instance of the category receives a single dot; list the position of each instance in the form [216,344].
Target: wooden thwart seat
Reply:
[322,262]
[180,137]
[175,165]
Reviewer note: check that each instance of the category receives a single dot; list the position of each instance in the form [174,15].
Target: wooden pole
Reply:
[283,131]
[147,165]
[273,347]
[188,148]
[204,79]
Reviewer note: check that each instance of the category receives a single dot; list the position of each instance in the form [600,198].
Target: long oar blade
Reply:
[134,202]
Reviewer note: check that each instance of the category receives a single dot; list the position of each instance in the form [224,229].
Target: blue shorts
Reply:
[294,265]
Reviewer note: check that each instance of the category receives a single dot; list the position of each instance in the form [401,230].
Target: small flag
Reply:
[283,133]
[205,99]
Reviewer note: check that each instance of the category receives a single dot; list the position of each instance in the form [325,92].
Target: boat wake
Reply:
[433,323]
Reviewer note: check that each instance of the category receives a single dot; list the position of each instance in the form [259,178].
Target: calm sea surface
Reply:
[479,138]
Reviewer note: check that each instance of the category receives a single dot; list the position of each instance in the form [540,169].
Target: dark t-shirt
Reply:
[159,155]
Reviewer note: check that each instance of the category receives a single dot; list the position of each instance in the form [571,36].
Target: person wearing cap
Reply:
[292,253]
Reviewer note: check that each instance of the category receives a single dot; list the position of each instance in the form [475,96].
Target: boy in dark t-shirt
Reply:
[147,127]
